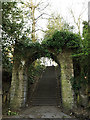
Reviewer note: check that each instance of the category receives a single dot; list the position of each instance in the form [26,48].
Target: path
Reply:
[46,92]
[43,112]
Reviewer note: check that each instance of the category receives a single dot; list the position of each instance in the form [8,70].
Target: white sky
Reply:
[63,7]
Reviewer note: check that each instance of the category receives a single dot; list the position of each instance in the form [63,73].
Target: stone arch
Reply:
[19,73]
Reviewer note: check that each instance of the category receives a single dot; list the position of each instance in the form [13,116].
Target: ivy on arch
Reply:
[50,47]
[62,39]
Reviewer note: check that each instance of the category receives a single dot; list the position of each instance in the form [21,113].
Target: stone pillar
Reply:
[67,73]
[18,85]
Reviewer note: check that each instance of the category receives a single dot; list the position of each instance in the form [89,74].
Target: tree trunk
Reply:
[33,22]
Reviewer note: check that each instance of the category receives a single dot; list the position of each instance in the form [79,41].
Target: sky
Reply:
[78,6]
[63,8]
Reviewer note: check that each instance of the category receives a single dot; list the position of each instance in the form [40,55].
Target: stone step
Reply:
[43,98]
[46,92]
[44,103]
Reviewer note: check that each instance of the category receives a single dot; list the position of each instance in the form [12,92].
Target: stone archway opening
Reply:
[45,90]
[48,61]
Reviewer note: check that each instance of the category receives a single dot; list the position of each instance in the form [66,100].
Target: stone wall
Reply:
[67,73]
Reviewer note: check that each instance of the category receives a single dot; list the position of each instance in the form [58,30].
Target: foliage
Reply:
[12,30]
[9,31]
[84,49]
[12,19]
[85,41]
[6,61]
[62,39]
[56,22]
[85,28]
[35,71]
[80,81]
[12,112]
[59,40]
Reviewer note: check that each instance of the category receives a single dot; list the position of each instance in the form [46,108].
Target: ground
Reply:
[41,112]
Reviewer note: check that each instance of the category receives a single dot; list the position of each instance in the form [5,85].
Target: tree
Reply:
[56,22]
[85,38]
[12,31]
[78,16]
[30,9]
[78,21]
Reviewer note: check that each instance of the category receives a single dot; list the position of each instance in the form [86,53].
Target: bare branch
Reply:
[45,7]
[41,16]
[44,18]
[82,12]
[73,16]
[40,30]
[40,3]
